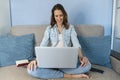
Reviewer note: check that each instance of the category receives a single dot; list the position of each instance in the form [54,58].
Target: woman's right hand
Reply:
[32,65]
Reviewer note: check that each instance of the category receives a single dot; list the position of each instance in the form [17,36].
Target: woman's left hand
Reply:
[84,61]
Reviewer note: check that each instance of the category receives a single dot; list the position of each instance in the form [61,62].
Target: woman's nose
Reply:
[59,18]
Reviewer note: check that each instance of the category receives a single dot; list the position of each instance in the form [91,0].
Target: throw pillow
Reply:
[14,48]
[97,49]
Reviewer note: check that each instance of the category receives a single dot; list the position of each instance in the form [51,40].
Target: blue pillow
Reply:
[14,48]
[97,49]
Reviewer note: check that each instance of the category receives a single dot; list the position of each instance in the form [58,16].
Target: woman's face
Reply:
[58,15]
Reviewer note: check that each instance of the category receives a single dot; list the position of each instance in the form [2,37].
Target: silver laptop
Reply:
[53,57]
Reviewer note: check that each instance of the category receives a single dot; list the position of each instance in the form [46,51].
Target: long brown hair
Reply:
[65,17]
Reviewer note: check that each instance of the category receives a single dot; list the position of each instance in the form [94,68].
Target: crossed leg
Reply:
[79,72]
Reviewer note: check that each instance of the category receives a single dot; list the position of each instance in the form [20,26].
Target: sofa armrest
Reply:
[115,61]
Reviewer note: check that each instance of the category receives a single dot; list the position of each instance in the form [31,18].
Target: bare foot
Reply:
[77,76]
[81,76]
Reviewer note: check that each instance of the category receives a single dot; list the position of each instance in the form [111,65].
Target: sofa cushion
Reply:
[97,49]
[14,48]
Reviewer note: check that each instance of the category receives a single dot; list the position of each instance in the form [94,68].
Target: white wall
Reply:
[30,12]
[4,16]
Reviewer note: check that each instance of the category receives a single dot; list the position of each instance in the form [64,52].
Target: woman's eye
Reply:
[61,15]
[56,16]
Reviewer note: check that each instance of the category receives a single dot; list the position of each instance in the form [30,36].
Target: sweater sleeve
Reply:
[46,36]
[74,38]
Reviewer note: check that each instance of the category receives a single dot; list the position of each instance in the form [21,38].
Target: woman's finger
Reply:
[28,66]
[85,61]
[82,62]
[35,65]
[31,66]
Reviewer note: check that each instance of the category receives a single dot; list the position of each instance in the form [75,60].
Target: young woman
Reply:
[60,34]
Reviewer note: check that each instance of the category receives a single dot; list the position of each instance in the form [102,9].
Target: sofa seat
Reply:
[20,73]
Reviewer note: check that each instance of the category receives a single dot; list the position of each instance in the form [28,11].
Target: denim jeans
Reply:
[47,73]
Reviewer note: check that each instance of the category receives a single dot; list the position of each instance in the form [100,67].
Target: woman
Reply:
[60,34]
